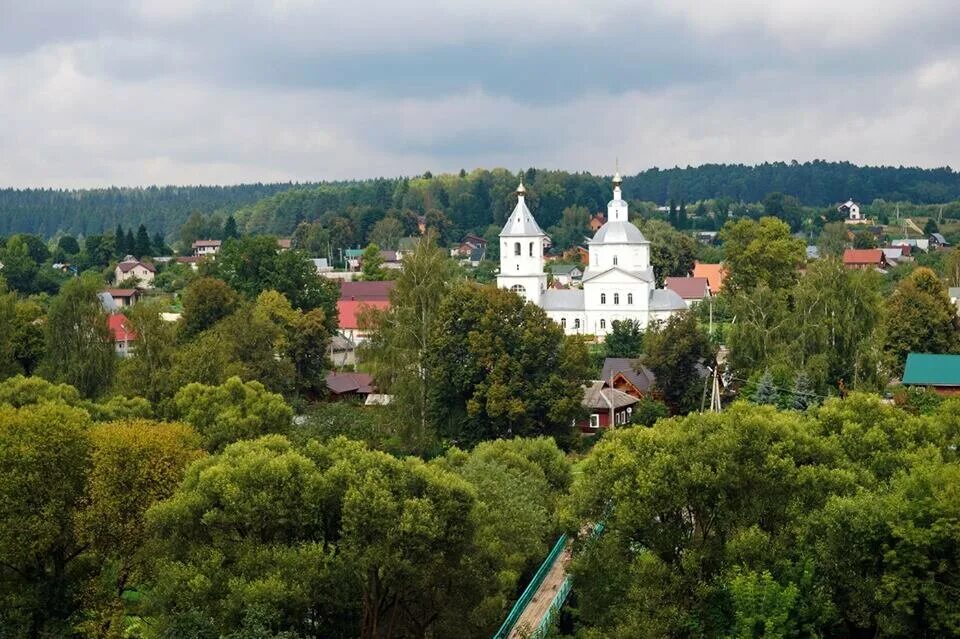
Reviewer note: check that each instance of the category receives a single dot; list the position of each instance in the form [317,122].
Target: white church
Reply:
[618,283]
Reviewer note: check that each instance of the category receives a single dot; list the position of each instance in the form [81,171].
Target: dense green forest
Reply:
[466,200]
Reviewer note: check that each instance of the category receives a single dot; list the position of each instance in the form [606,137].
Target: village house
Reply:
[937,241]
[120,333]
[468,245]
[131,267]
[864,259]
[349,386]
[714,273]
[607,407]
[284,244]
[628,375]
[850,211]
[407,245]
[596,221]
[566,274]
[343,352]
[124,296]
[352,258]
[192,261]
[206,248]
[939,373]
[349,314]
[390,260]
[921,244]
[954,293]
[690,289]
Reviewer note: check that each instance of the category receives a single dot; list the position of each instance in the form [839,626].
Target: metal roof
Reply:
[562,300]
[663,299]
[928,369]
[521,223]
[618,232]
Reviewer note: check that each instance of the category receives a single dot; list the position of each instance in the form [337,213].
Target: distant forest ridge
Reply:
[469,200]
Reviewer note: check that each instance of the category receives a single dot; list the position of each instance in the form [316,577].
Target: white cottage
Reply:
[618,283]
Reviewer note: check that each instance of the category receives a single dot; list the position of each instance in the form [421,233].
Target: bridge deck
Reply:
[539,606]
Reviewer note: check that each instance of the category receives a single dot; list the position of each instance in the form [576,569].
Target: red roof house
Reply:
[864,258]
[691,289]
[349,312]
[715,274]
[121,333]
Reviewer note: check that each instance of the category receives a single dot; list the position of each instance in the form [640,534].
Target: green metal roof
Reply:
[353,252]
[927,369]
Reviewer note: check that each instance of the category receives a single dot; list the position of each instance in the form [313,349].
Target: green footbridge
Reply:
[541,601]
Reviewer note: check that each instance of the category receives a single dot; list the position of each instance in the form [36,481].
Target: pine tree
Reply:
[765,392]
[803,396]
[141,247]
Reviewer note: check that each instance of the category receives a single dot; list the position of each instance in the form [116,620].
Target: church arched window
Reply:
[576,323]
[518,289]
[516,248]
[614,260]
[603,298]
[616,298]
[531,249]
[629,298]
[563,322]
[603,324]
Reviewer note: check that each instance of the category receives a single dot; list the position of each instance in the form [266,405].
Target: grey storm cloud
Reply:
[187,91]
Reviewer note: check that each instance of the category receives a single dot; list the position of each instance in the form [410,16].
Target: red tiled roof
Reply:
[715,274]
[366,290]
[119,329]
[689,288]
[284,242]
[348,310]
[863,256]
[340,383]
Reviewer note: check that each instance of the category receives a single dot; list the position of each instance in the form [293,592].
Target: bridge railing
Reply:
[531,589]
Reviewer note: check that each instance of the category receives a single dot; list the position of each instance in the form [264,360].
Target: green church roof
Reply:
[927,369]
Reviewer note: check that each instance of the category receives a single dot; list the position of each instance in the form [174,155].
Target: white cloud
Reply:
[125,108]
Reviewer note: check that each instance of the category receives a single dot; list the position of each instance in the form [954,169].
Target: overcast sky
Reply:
[105,92]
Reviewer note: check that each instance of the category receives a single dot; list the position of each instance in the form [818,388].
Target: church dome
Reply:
[619,232]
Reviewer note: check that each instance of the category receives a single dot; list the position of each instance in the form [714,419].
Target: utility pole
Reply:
[715,396]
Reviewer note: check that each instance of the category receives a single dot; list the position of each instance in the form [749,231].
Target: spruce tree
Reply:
[803,395]
[159,246]
[142,247]
[130,243]
[765,392]
[230,228]
[120,242]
